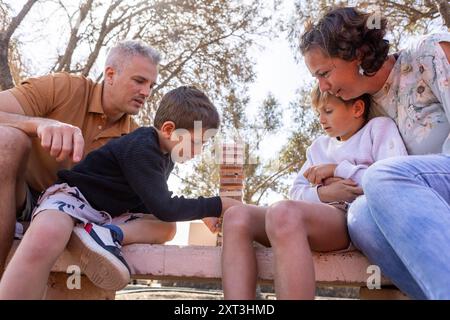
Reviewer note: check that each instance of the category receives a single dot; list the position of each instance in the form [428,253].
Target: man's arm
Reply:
[60,139]
[228,203]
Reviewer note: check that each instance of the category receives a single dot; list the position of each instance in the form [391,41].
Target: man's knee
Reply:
[14,148]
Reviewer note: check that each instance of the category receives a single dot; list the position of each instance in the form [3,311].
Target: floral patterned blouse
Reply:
[416,96]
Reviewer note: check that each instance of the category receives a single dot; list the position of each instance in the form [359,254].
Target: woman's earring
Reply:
[360,70]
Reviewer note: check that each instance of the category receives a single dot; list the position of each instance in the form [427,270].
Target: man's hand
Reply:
[342,190]
[60,139]
[317,174]
[214,224]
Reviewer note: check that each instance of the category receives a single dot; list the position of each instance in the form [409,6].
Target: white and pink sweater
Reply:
[377,140]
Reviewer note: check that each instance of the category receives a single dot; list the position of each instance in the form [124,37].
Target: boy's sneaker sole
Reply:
[99,265]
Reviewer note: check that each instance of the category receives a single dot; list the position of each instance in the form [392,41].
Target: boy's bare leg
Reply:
[294,229]
[147,229]
[241,226]
[14,148]
[28,271]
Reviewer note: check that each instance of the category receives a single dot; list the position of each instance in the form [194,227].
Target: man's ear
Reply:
[358,108]
[109,75]
[167,129]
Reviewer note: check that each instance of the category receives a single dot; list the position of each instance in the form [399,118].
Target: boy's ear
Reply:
[358,108]
[167,129]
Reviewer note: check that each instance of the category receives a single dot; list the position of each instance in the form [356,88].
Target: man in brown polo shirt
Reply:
[51,122]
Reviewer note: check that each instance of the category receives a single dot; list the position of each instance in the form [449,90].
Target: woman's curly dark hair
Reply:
[343,32]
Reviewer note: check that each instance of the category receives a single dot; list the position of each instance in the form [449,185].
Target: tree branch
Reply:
[17,20]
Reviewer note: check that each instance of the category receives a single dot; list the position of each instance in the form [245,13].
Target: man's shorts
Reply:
[71,201]
[31,200]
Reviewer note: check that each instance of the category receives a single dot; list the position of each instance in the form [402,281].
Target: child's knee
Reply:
[46,240]
[284,218]
[237,217]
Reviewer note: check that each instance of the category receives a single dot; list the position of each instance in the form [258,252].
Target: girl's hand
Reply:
[317,174]
[343,190]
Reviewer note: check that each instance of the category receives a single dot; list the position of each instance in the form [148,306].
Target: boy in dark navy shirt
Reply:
[127,176]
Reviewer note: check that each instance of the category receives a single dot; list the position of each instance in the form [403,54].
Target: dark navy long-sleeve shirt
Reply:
[129,174]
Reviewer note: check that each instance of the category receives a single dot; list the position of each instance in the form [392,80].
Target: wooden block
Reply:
[231,181]
[230,187]
[231,168]
[231,194]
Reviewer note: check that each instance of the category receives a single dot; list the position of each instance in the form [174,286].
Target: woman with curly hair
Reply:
[314,219]
[402,223]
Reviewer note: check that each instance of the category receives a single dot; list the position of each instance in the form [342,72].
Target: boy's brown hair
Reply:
[319,99]
[183,106]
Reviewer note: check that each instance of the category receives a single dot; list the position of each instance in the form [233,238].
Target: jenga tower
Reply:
[231,174]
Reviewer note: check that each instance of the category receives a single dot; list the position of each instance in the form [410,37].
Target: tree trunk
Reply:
[6,80]
[66,60]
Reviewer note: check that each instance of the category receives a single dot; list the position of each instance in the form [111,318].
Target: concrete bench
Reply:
[203,263]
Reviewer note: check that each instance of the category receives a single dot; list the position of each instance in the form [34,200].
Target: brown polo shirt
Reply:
[71,99]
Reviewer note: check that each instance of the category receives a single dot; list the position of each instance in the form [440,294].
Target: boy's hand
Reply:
[214,224]
[317,174]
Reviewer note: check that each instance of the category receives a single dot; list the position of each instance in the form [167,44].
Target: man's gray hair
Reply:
[124,50]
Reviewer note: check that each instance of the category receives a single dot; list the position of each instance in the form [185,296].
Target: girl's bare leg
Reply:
[294,228]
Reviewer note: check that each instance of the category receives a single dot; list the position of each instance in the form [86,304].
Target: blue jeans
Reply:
[402,224]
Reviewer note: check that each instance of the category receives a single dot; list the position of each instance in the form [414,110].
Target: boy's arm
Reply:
[215,224]
[228,203]
[144,170]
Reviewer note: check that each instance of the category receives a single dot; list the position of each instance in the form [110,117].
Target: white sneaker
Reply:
[101,259]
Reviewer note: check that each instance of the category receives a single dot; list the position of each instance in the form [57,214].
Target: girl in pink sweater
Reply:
[315,217]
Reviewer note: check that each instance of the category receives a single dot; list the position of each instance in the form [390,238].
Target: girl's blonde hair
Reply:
[318,99]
